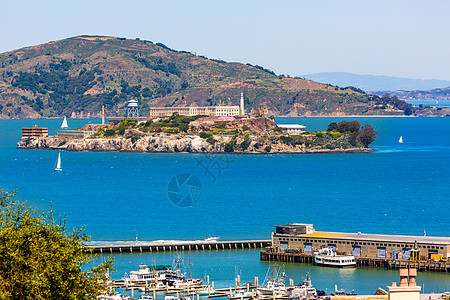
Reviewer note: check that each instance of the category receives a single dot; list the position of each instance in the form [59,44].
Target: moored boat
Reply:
[328,257]
[212,239]
[304,290]
[275,281]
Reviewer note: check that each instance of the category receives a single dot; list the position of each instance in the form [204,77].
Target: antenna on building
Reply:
[242,104]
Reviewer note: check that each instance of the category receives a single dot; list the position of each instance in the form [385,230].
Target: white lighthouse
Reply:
[132,109]
[241,106]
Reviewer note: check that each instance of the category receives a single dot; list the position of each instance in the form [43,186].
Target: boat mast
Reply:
[190,262]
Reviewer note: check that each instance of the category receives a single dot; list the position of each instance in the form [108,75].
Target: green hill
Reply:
[78,75]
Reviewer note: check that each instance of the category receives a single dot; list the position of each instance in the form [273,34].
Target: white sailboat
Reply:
[400,140]
[58,163]
[64,124]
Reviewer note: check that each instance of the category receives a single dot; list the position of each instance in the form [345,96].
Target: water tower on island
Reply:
[132,109]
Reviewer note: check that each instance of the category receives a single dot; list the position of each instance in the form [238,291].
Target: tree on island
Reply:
[366,135]
[39,260]
[344,126]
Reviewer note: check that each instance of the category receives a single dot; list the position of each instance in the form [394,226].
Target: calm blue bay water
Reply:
[398,189]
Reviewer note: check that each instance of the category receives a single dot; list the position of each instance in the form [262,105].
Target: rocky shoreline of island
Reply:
[167,144]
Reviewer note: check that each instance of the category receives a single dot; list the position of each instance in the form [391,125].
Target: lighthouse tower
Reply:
[241,106]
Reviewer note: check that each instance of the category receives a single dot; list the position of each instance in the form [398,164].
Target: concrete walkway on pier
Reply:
[179,246]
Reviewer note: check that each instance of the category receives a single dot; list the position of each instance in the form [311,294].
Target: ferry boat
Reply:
[328,257]
[151,274]
[161,276]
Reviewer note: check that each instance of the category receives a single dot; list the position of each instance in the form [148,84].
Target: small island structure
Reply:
[218,130]
[34,131]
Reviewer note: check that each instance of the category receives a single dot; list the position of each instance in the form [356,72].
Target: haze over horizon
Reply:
[398,39]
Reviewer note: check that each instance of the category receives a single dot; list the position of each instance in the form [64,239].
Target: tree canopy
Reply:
[40,260]
[365,134]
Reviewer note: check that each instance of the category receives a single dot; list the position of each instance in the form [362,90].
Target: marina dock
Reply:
[179,246]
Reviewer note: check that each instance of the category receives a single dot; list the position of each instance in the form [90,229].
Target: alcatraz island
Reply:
[216,129]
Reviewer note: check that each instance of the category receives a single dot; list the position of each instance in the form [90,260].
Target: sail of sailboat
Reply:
[64,124]
[400,140]
[58,163]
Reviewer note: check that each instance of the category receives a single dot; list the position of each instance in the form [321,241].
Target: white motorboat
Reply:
[212,239]
[275,281]
[328,257]
[113,297]
[304,290]
[241,295]
[206,292]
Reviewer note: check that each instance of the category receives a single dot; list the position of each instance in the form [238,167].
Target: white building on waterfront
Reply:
[292,128]
[229,110]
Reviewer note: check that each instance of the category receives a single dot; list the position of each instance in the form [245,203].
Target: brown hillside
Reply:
[80,74]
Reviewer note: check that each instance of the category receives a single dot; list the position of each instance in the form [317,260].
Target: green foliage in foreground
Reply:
[39,260]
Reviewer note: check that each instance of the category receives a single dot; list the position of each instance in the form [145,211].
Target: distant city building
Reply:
[75,134]
[132,109]
[292,128]
[34,131]
[231,110]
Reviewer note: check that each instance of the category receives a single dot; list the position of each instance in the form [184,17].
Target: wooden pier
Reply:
[421,265]
[180,246]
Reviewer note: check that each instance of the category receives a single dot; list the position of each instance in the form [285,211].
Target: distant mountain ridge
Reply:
[370,83]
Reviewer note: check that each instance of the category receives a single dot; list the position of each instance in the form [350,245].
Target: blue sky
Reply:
[395,38]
